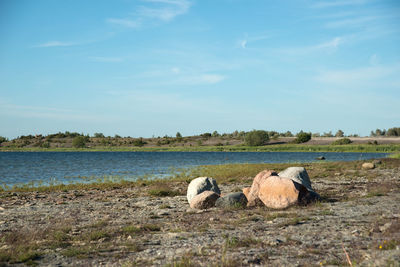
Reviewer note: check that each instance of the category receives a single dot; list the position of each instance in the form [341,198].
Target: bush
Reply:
[98,135]
[3,139]
[206,135]
[393,132]
[342,141]
[257,138]
[139,142]
[302,137]
[79,141]
[339,133]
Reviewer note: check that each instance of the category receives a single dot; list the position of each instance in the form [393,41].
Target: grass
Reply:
[164,191]
[235,242]
[133,229]
[395,156]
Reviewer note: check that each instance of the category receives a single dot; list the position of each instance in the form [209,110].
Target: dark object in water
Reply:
[320,158]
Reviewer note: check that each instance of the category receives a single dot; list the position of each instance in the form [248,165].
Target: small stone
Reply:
[163,213]
[1,208]
[320,158]
[384,227]
[368,166]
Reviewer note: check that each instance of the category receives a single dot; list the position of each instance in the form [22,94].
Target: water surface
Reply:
[25,167]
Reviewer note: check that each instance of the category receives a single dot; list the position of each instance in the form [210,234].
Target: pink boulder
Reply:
[280,192]
[252,196]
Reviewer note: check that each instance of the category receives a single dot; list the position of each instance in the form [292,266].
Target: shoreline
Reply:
[360,148]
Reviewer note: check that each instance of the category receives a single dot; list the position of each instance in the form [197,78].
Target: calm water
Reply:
[23,167]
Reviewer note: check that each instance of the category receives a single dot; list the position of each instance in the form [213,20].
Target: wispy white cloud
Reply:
[174,76]
[374,59]
[176,70]
[106,59]
[129,23]
[329,46]
[337,3]
[247,40]
[159,10]
[203,79]
[55,44]
[243,43]
[351,22]
[168,10]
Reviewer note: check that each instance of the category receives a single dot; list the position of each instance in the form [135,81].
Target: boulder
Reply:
[246,192]
[280,192]
[232,200]
[200,185]
[320,158]
[368,166]
[299,175]
[252,197]
[204,200]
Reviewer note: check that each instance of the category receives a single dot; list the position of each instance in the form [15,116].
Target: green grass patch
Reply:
[395,156]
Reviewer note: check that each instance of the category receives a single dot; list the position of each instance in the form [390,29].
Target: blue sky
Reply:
[155,67]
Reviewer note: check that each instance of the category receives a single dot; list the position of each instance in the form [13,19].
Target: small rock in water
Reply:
[320,158]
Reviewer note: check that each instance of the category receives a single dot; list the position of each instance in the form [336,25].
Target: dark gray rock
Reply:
[232,200]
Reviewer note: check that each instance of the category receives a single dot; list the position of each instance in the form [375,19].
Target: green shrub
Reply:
[256,138]
[393,131]
[139,142]
[79,141]
[3,139]
[302,137]
[98,135]
[342,141]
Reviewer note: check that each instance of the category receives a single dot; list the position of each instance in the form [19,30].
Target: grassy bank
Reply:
[389,148]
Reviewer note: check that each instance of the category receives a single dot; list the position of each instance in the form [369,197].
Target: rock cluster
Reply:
[274,190]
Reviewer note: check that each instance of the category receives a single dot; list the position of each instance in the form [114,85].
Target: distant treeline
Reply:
[390,132]
[236,134]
